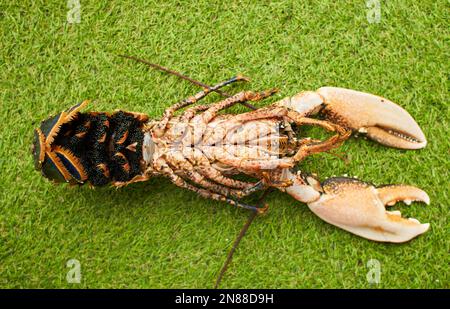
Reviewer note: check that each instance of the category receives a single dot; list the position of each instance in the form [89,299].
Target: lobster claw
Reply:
[379,118]
[359,208]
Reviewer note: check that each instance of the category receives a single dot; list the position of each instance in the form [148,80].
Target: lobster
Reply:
[203,150]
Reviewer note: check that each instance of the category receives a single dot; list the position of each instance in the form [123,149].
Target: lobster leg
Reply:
[359,207]
[192,111]
[215,175]
[199,122]
[209,114]
[194,159]
[316,147]
[168,113]
[165,170]
[201,180]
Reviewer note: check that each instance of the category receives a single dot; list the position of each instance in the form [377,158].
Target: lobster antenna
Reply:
[239,238]
[175,73]
[339,156]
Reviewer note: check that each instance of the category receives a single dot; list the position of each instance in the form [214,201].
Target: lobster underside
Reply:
[201,149]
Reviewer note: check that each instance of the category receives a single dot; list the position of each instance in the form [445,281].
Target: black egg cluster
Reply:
[109,146]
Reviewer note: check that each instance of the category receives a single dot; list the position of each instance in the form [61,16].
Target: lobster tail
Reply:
[109,147]
[93,147]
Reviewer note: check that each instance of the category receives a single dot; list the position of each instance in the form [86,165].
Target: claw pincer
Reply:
[359,207]
[379,118]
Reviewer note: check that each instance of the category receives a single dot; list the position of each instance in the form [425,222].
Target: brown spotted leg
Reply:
[199,122]
[180,182]
[196,159]
[183,168]
[191,112]
[180,127]
[262,113]
[314,146]
[168,113]
[209,114]
[215,175]
[199,179]
[203,167]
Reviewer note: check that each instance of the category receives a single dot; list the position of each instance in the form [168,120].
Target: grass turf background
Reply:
[159,236]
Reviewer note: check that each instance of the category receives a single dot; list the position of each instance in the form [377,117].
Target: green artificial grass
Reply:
[155,235]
